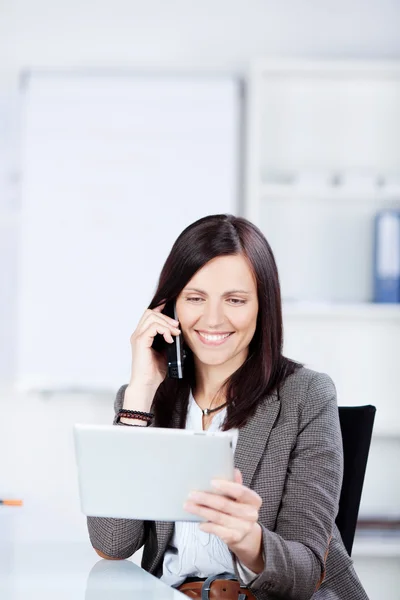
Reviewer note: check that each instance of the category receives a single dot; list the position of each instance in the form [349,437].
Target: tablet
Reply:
[147,472]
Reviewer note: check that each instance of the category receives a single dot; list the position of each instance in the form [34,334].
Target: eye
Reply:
[194,299]
[236,301]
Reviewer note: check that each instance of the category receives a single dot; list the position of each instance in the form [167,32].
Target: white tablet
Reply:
[147,472]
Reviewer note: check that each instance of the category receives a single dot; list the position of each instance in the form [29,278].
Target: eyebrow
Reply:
[229,293]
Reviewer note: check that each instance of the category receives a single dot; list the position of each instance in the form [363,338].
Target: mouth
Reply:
[213,339]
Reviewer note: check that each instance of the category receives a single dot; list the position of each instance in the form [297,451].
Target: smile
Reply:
[213,339]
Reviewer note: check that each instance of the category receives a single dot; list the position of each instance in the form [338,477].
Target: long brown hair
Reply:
[265,367]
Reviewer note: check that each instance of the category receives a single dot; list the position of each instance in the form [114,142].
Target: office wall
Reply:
[208,33]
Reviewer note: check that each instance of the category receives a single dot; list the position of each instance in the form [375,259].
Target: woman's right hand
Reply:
[149,368]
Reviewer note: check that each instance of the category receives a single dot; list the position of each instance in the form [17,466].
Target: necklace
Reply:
[208,411]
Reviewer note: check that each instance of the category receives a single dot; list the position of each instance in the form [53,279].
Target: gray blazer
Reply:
[290,453]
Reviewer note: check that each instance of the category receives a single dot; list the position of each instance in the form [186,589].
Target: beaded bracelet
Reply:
[134,414]
[119,422]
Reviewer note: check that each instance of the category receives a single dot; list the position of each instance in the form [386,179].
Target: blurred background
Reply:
[121,123]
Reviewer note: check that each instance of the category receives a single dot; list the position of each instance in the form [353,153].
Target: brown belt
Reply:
[219,589]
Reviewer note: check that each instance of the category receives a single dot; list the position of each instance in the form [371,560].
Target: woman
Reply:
[273,528]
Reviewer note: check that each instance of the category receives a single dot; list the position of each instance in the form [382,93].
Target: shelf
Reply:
[328,310]
[376,546]
[382,69]
[322,130]
[386,433]
[311,194]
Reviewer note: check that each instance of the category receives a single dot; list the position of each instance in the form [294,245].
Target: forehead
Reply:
[224,273]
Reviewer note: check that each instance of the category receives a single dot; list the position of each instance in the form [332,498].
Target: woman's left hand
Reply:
[231,513]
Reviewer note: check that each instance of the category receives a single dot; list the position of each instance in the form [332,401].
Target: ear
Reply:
[238,477]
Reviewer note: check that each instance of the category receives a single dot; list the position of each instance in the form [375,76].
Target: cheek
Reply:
[245,323]
[187,319]
[186,327]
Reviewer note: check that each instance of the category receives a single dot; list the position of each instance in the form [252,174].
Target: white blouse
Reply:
[192,552]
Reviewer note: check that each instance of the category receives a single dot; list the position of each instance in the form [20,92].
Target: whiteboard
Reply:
[114,167]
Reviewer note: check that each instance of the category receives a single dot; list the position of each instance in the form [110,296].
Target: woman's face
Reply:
[217,311]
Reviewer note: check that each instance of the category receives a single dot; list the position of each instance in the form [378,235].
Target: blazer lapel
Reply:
[254,435]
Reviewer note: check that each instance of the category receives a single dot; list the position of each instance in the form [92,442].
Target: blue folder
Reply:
[387,256]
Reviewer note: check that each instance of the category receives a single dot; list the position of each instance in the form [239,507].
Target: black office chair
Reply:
[356,423]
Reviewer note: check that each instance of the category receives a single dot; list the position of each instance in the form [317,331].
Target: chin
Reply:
[213,361]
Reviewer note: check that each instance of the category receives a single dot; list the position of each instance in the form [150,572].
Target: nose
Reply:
[213,314]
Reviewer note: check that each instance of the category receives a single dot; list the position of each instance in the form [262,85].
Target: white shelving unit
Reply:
[331,310]
[312,124]
[382,547]
[323,157]
[314,194]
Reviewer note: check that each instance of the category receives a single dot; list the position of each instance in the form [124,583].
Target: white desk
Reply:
[51,571]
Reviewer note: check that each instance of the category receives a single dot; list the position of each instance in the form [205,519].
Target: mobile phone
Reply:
[175,352]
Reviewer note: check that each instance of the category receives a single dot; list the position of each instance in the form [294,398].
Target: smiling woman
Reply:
[271,533]
[218,321]
[222,274]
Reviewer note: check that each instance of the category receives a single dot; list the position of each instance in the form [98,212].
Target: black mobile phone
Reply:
[175,352]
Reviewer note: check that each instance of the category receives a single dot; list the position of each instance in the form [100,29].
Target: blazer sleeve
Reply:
[117,538]
[295,552]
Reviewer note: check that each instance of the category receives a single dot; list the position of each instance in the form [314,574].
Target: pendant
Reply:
[205,412]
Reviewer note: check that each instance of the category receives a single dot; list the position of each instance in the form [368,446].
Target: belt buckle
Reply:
[206,587]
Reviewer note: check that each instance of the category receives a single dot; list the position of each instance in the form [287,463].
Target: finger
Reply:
[166,318]
[238,476]
[150,314]
[229,536]
[167,332]
[159,308]
[143,319]
[247,512]
[237,491]
[219,518]
[150,333]
[156,318]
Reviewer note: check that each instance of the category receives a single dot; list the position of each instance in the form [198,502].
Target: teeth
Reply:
[214,338]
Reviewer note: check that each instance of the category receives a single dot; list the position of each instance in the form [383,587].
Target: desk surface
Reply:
[73,572]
